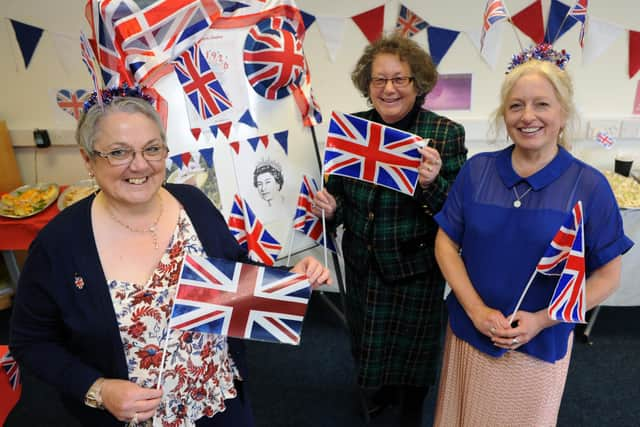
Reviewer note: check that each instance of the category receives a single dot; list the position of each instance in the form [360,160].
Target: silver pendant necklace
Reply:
[517,203]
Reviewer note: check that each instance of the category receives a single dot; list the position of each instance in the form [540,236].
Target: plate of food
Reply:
[28,200]
[77,191]
[626,190]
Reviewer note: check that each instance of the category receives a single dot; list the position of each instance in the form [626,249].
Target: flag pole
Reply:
[526,288]
[513,27]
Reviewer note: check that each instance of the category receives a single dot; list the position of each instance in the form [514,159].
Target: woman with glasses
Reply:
[394,287]
[94,298]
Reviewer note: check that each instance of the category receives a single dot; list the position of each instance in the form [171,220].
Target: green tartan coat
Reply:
[394,300]
[395,231]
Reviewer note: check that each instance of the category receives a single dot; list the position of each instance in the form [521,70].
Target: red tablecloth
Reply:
[17,234]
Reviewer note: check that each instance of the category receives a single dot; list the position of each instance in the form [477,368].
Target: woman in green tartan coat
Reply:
[394,298]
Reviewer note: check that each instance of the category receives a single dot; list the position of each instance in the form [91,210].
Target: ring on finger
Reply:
[492,330]
[134,419]
[515,341]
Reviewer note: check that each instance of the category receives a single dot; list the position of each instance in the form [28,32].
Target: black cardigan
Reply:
[68,336]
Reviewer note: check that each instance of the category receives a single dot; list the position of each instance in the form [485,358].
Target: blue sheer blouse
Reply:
[501,244]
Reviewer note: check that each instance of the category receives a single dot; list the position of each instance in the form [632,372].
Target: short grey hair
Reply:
[90,121]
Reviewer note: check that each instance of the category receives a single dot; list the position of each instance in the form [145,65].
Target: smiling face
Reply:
[139,181]
[533,115]
[391,102]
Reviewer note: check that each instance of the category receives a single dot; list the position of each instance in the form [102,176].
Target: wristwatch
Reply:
[93,398]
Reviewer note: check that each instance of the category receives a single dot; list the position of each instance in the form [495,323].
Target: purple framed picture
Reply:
[452,92]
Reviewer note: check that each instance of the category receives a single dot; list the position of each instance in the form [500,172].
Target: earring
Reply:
[91,175]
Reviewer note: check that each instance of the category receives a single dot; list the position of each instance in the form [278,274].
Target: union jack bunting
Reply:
[251,234]
[494,11]
[149,34]
[71,101]
[371,152]
[200,83]
[240,300]
[408,23]
[568,303]
[304,220]
[273,58]
[11,370]
[579,13]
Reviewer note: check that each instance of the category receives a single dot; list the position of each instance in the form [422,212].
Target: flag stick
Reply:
[526,288]
[164,350]
[513,27]
[293,235]
[324,238]
[562,23]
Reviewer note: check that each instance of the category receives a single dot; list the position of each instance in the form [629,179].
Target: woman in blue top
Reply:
[500,216]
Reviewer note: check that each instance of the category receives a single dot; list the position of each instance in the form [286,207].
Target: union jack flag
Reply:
[71,101]
[273,58]
[408,23]
[200,83]
[304,220]
[240,300]
[494,11]
[605,139]
[11,370]
[251,233]
[371,152]
[568,303]
[579,13]
[89,59]
[149,34]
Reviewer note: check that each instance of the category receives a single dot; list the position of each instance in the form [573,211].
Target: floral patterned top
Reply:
[198,371]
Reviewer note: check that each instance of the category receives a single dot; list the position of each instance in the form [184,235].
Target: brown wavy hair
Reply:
[423,70]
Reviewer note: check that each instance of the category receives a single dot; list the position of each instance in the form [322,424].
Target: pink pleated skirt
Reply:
[513,390]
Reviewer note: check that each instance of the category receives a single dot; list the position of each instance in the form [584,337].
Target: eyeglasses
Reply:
[124,156]
[401,81]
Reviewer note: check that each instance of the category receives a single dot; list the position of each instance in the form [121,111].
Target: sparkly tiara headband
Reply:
[106,96]
[541,52]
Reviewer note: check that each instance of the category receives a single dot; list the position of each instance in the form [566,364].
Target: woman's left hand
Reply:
[317,273]
[528,325]
[429,167]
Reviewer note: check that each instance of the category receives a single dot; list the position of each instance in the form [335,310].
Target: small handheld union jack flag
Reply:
[371,152]
[568,303]
[240,300]
[408,23]
[304,220]
[251,233]
[71,101]
[10,384]
[605,139]
[579,13]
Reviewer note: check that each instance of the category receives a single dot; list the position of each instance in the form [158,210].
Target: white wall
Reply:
[27,97]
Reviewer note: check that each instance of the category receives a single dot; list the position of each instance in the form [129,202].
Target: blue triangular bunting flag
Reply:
[28,37]
[254,142]
[248,120]
[177,159]
[282,138]
[307,19]
[440,40]
[557,18]
[207,154]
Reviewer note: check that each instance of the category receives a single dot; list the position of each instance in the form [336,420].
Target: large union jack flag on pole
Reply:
[579,13]
[200,83]
[568,303]
[251,233]
[494,11]
[408,23]
[273,58]
[149,34]
[240,300]
[304,220]
[371,152]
